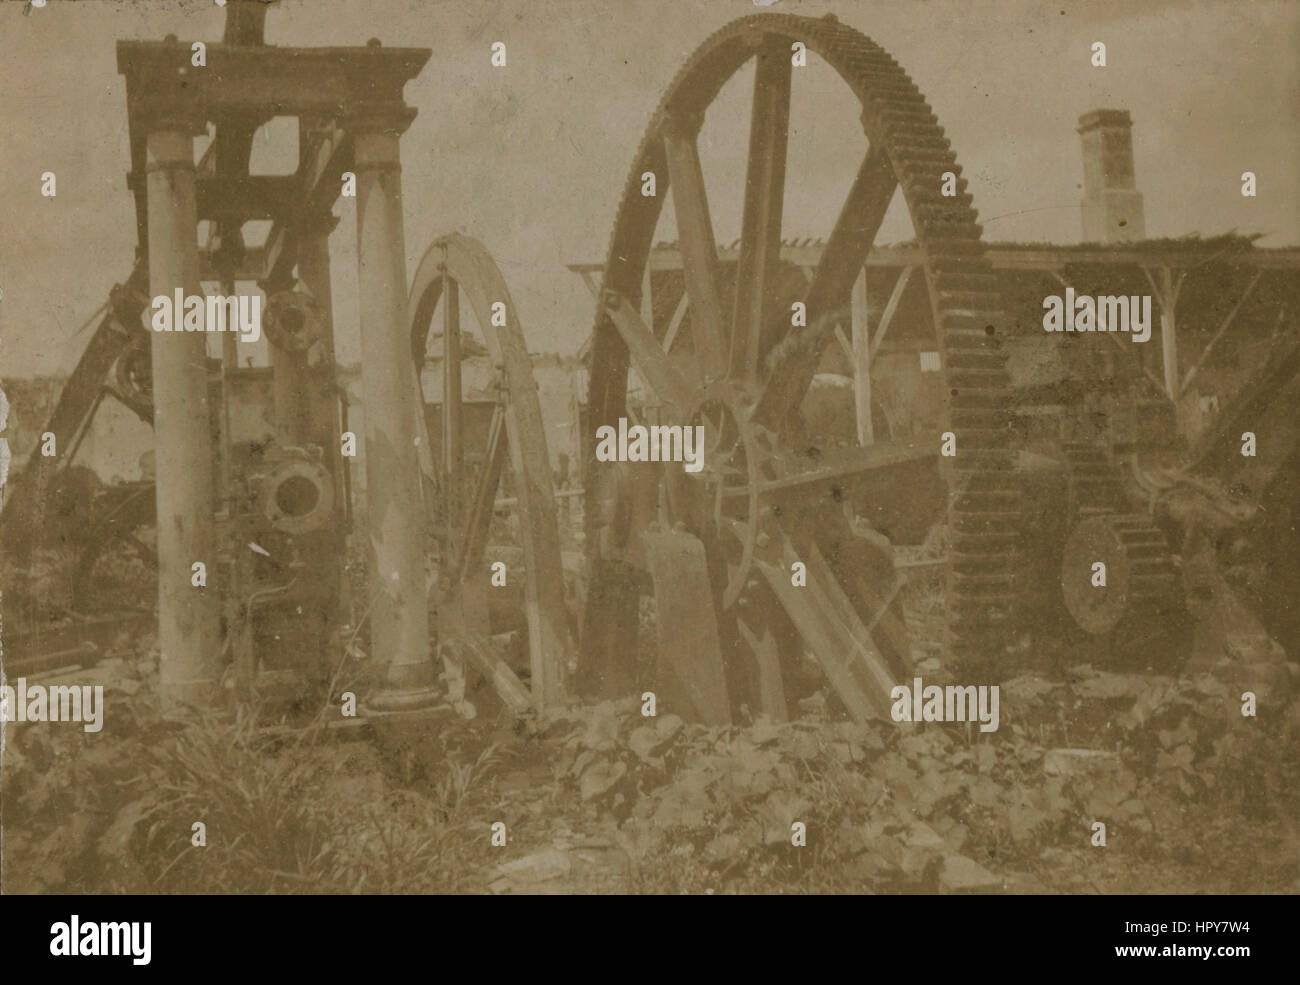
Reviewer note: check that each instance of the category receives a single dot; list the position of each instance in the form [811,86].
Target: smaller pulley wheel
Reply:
[1111,565]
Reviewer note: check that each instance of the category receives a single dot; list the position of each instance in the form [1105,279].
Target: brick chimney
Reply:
[1112,205]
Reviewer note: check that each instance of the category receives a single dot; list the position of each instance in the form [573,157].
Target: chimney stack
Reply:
[1112,205]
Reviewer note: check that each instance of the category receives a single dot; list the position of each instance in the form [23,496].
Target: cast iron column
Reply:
[399,619]
[189,626]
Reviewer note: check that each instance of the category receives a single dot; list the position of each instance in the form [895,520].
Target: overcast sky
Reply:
[531,158]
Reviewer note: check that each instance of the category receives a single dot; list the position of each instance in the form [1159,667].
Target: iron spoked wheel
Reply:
[453,267]
[747,340]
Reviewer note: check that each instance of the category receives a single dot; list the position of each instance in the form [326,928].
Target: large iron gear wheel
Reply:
[908,149]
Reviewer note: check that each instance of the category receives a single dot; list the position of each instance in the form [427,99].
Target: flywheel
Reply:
[741,335]
[466,451]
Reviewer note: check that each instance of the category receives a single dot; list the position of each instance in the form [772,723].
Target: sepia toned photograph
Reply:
[553,447]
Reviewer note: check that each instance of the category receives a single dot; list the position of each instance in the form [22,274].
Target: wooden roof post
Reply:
[1167,294]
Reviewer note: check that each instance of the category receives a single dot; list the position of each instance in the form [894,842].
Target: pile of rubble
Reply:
[887,807]
[1194,795]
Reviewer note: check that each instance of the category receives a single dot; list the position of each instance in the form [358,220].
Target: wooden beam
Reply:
[891,306]
[1167,292]
[272,79]
[1168,289]
[1006,257]
[590,281]
[679,314]
[1169,324]
[474,649]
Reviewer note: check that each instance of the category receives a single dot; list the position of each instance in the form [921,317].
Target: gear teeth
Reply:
[918,115]
[984,516]
[1095,486]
